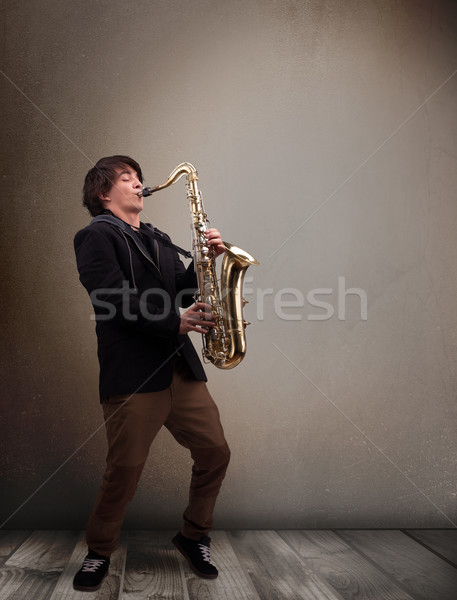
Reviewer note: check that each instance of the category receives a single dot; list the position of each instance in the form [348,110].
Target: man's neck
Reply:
[129,218]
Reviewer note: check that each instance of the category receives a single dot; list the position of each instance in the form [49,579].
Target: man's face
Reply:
[123,195]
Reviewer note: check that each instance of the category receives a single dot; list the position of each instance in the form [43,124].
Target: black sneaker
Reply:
[197,555]
[90,576]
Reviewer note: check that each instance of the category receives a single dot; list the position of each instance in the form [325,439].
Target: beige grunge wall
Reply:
[325,136]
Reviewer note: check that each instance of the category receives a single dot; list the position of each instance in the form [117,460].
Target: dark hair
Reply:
[100,179]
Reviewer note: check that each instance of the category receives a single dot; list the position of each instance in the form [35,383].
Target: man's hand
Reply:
[198,317]
[213,237]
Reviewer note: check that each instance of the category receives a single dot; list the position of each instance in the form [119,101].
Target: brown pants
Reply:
[132,422]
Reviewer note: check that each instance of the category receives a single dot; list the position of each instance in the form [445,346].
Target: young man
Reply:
[150,373]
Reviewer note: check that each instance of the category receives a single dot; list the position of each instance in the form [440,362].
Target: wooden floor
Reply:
[320,565]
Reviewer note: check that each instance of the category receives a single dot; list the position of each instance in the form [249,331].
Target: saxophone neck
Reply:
[184,168]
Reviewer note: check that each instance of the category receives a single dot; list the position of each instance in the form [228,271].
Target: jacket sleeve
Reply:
[110,291]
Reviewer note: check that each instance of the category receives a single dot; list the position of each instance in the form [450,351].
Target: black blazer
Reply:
[136,306]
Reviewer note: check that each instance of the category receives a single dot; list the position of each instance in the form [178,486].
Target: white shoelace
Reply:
[205,553]
[90,565]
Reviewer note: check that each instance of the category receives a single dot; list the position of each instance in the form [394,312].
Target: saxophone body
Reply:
[224,345]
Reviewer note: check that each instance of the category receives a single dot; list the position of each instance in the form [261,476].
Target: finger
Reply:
[200,329]
[202,306]
[213,234]
[214,238]
[198,317]
[204,319]
[201,318]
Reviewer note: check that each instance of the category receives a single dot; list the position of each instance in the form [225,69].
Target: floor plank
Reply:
[152,570]
[441,541]
[344,569]
[10,541]
[421,572]
[231,584]
[253,565]
[112,584]
[33,570]
[275,569]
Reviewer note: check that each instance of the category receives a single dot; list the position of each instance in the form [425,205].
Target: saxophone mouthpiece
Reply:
[147,191]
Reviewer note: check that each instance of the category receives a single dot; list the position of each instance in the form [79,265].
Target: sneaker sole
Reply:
[93,588]
[189,562]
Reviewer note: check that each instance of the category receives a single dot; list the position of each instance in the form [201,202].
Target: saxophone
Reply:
[224,345]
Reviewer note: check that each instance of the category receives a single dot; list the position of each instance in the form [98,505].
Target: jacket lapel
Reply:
[144,252]
[164,268]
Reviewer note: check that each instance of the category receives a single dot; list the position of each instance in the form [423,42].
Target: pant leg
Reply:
[131,422]
[195,423]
